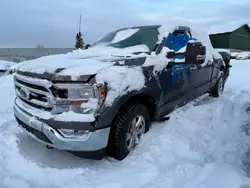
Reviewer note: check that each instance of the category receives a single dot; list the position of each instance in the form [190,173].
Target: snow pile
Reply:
[124,34]
[234,54]
[218,175]
[88,67]
[222,50]
[159,61]
[75,117]
[120,79]
[203,37]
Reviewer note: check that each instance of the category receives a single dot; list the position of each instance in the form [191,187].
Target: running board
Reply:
[163,119]
[194,102]
[199,99]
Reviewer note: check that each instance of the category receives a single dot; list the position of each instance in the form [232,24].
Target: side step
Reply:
[194,102]
[163,119]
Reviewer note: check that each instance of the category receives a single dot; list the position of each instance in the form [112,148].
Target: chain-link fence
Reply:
[21,54]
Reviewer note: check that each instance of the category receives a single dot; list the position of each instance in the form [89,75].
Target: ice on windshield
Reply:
[124,34]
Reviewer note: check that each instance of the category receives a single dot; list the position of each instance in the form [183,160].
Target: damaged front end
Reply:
[61,115]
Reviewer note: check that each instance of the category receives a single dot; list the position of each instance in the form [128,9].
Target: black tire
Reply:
[218,88]
[117,144]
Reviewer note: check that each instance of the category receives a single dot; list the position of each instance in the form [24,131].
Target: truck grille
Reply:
[35,94]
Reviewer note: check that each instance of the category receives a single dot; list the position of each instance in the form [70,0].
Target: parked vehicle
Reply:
[233,55]
[4,66]
[101,100]
[226,56]
[243,56]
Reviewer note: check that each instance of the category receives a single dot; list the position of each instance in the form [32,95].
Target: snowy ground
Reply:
[203,145]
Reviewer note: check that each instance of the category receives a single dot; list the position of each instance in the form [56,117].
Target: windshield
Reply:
[130,37]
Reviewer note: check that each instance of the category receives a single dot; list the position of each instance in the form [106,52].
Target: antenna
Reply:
[80,21]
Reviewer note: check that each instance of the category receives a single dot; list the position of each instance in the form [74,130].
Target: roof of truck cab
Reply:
[142,26]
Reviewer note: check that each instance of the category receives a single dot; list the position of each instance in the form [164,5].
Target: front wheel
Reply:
[127,128]
[219,86]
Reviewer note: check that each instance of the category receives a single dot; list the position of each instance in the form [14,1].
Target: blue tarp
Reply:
[176,42]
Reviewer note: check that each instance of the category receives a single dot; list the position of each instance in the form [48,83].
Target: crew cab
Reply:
[101,100]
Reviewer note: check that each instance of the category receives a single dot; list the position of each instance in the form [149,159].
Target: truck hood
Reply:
[78,65]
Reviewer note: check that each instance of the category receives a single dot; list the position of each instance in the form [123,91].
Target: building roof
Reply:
[227,29]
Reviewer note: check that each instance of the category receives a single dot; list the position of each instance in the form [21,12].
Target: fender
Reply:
[107,113]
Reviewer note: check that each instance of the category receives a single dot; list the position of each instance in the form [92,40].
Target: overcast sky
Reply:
[54,23]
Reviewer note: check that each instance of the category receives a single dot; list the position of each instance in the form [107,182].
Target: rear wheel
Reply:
[219,86]
[126,131]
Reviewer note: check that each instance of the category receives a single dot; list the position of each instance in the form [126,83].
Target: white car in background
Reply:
[243,55]
[5,66]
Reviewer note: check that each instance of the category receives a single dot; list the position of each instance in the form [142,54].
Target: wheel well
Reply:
[146,100]
[222,67]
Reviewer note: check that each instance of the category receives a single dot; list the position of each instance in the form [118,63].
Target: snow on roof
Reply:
[225,28]
[196,32]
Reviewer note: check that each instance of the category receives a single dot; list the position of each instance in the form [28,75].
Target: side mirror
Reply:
[195,53]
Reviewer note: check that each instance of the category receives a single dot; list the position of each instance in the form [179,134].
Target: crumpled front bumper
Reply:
[89,141]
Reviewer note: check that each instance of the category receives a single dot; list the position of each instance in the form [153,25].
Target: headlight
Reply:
[80,97]
[80,93]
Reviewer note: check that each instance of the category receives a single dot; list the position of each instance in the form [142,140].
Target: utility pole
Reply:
[80,22]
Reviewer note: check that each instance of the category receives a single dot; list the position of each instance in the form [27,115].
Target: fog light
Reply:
[71,133]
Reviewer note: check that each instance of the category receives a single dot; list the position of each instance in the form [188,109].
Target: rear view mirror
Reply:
[195,53]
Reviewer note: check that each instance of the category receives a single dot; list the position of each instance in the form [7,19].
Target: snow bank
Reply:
[222,50]
[219,175]
[120,80]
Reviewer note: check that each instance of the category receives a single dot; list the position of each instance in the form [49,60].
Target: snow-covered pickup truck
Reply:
[101,100]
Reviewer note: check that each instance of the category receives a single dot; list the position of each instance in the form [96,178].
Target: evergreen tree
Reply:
[79,41]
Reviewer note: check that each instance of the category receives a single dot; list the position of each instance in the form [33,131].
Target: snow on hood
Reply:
[79,62]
